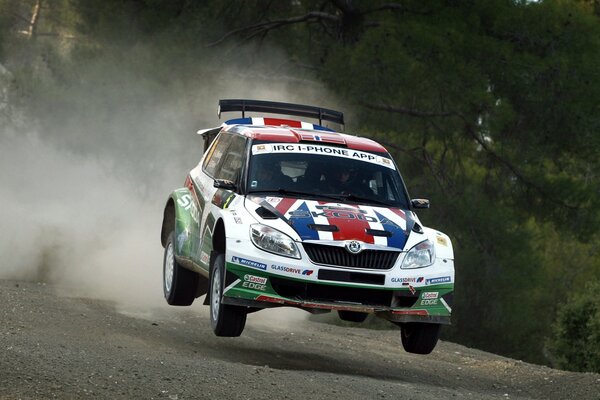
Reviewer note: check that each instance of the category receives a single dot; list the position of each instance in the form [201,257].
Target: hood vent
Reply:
[324,228]
[417,228]
[377,232]
[265,214]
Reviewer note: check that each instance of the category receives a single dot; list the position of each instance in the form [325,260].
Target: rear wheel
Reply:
[225,320]
[352,316]
[179,284]
[419,338]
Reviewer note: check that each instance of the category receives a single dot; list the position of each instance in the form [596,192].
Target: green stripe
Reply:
[245,270]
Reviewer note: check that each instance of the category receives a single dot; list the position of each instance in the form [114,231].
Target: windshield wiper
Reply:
[284,191]
[338,197]
[298,193]
[355,198]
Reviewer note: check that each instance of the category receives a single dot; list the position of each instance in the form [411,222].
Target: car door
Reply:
[225,160]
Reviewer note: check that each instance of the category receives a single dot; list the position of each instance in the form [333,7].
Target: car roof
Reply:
[293,131]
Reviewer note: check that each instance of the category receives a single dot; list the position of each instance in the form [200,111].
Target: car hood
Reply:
[322,220]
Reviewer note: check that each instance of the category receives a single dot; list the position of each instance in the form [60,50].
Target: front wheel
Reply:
[225,320]
[419,337]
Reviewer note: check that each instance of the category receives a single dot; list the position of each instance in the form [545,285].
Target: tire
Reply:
[418,337]
[179,284]
[352,316]
[226,320]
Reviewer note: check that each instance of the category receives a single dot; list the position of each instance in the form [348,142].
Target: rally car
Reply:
[281,212]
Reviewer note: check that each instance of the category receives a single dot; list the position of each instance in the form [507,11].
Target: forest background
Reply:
[491,109]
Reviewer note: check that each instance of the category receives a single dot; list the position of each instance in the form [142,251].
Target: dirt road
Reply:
[52,346]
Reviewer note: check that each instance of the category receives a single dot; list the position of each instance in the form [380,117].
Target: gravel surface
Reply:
[53,346]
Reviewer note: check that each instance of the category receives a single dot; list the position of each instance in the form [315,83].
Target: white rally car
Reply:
[281,212]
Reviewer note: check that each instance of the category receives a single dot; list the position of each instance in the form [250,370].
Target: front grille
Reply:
[334,255]
[315,292]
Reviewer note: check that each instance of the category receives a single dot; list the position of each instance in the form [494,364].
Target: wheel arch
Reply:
[218,239]
[168,223]
[218,247]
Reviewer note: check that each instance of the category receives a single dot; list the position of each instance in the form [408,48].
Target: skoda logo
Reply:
[353,246]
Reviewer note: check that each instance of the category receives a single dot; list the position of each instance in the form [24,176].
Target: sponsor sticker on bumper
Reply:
[255,282]
[298,271]
[435,281]
[249,263]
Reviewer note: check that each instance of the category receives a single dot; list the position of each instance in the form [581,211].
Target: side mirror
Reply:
[420,203]
[225,184]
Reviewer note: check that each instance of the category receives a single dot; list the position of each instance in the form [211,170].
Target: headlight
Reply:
[421,255]
[273,241]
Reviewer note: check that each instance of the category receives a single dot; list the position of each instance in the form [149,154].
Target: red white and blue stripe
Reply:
[255,121]
[351,222]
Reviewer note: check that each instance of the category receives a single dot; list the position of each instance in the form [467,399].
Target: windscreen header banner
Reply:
[301,148]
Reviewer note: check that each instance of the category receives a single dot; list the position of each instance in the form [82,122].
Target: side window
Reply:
[233,160]
[215,156]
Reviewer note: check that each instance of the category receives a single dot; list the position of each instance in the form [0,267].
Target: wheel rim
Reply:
[169,268]
[215,294]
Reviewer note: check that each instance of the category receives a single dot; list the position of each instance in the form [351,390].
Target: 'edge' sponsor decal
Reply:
[255,282]
[255,279]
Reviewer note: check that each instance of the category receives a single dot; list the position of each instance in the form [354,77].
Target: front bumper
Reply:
[260,280]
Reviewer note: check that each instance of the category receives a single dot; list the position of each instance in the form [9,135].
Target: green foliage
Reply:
[491,111]
[575,342]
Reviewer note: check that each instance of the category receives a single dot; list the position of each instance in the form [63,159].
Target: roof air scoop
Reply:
[319,137]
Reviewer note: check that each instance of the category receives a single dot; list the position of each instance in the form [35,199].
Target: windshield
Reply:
[327,173]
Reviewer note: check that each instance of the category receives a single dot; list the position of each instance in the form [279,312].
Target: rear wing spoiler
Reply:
[273,107]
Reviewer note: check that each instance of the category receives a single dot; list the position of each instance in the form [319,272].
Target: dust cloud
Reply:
[71,221]
[82,188]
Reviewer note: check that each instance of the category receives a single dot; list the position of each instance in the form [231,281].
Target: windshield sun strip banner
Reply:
[301,148]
